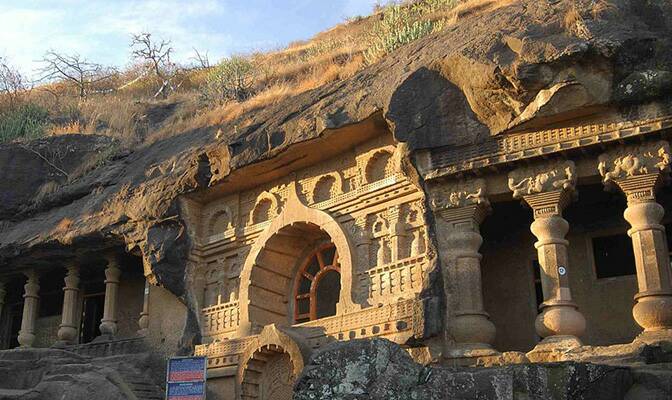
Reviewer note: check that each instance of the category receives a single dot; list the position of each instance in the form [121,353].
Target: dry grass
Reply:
[602,8]
[467,9]
[330,56]
[70,127]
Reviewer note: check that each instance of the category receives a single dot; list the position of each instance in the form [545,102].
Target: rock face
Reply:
[47,374]
[379,369]
[519,66]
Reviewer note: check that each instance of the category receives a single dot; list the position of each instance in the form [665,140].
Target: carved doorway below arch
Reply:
[268,375]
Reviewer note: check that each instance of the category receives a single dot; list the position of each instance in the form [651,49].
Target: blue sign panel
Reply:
[185,378]
[186,390]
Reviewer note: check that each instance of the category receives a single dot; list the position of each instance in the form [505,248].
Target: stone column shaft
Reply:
[3,293]
[653,308]
[461,209]
[638,171]
[143,322]
[547,188]
[30,303]
[67,331]
[108,325]
[559,314]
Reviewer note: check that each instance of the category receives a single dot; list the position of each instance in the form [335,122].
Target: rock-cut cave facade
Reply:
[459,254]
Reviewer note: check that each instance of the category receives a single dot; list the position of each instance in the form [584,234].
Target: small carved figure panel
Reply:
[545,177]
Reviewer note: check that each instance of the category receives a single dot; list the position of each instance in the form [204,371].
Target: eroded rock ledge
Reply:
[381,370]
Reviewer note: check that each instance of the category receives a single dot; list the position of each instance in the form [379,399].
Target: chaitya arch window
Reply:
[318,285]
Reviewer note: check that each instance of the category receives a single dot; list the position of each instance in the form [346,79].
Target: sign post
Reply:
[185,378]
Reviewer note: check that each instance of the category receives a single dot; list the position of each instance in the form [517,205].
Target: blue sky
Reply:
[100,30]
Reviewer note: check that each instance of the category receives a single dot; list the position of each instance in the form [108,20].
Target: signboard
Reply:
[185,378]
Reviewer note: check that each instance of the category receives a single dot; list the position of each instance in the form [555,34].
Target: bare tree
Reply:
[156,54]
[84,75]
[12,84]
[202,60]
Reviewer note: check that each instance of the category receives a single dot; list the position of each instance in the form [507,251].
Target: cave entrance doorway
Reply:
[93,304]
[296,276]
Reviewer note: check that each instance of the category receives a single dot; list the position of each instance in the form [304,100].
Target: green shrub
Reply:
[231,79]
[403,23]
[27,121]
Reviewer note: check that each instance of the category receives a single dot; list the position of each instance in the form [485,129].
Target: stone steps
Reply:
[141,386]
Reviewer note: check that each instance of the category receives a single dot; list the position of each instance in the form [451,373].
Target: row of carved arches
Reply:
[379,166]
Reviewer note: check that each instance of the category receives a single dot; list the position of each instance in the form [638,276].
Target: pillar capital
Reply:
[461,202]
[547,187]
[637,170]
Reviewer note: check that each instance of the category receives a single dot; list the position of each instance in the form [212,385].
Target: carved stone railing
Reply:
[223,353]
[403,318]
[110,348]
[398,321]
[391,281]
[362,190]
[220,318]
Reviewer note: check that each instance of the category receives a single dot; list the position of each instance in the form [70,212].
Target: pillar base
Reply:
[654,337]
[551,348]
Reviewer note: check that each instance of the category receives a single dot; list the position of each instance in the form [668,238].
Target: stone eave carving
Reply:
[500,150]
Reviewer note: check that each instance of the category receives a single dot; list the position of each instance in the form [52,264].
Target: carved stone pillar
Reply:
[30,303]
[397,233]
[67,331]
[461,208]
[3,293]
[143,321]
[108,325]
[362,237]
[638,171]
[547,189]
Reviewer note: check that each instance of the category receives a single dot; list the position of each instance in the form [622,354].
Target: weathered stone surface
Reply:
[379,369]
[518,66]
[46,374]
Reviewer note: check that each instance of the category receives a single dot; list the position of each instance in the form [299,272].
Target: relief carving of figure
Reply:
[632,161]
[526,181]
[460,194]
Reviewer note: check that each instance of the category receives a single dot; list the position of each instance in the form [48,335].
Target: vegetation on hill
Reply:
[157,98]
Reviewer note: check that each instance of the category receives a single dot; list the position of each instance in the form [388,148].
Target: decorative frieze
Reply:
[504,149]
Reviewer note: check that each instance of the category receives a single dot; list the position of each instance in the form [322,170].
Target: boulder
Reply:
[381,370]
